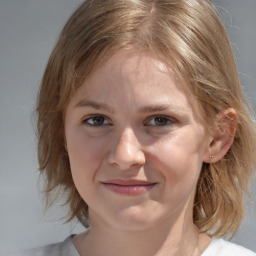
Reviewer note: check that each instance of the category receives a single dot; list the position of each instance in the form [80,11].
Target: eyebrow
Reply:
[95,105]
[161,107]
[144,109]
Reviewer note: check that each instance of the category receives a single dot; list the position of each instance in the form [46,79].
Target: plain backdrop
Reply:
[28,32]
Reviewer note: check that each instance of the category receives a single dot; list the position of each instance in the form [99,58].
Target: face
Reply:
[135,143]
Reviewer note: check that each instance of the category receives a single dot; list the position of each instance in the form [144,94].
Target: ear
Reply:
[223,136]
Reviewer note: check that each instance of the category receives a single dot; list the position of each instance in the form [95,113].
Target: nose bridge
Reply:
[128,137]
[127,149]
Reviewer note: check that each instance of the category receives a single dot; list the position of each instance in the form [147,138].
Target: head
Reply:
[189,38]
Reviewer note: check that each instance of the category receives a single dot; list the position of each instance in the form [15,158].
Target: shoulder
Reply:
[220,247]
[65,248]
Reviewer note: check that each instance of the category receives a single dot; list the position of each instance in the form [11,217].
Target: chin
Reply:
[136,219]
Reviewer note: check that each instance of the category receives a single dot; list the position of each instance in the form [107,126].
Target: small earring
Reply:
[211,156]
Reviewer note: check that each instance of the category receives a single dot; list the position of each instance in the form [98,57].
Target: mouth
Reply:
[129,187]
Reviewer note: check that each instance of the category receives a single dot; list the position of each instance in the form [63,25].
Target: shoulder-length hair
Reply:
[189,37]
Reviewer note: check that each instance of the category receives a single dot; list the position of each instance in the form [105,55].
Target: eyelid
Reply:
[86,118]
[170,120]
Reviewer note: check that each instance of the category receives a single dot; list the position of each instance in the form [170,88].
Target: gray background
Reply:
[28,31]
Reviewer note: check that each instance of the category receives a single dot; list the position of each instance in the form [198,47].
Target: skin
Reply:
[136,145]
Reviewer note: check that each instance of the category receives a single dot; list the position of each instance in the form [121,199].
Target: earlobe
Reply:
[222,137]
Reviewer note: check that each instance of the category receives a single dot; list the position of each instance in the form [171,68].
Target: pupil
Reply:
[160,121]
[97,120]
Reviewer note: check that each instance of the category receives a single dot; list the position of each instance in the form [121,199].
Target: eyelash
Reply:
[167,121]
[103,118]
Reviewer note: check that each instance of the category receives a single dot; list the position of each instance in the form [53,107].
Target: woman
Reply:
[142,123]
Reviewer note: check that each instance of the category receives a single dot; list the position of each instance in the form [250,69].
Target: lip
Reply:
[128,187]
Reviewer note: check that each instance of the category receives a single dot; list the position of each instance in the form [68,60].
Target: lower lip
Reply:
[129,189]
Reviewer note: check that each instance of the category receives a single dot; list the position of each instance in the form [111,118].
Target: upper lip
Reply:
[132,182]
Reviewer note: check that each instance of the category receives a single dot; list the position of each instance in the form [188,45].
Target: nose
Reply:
[126,152]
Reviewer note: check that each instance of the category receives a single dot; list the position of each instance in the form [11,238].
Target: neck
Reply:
[173,239]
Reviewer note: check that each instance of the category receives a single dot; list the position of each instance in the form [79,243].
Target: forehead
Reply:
[137,75]
[133,66]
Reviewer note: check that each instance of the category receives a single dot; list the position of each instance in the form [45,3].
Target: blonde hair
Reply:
[189,37]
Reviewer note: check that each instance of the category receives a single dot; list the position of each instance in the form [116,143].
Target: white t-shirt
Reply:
[218,247]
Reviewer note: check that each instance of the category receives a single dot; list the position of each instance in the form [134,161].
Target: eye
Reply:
[159,121]
[96,121]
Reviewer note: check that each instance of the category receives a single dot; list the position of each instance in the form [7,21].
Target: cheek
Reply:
[85,154]
[179,160]
[85,159]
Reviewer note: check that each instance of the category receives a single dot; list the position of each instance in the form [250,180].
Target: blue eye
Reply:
[96,121]
[159,121]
